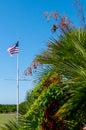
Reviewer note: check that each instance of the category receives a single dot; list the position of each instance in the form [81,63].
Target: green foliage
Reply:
[32,95]
[67,55]
[10,125]
[7,108]
[36,112]
[23,107]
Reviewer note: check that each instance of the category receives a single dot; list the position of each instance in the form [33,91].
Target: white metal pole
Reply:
[17,87]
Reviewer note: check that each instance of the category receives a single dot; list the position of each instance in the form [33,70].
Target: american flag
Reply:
[13,49]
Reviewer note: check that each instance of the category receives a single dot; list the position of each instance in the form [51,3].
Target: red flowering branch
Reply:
[32,67]
[61,22]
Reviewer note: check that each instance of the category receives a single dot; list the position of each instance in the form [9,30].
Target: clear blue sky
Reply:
[24,19]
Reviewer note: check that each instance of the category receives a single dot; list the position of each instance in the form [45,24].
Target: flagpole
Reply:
[13,50]
[17,86]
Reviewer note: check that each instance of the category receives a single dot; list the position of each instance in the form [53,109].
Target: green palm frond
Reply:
[10,125]
[67,54]
[20,124]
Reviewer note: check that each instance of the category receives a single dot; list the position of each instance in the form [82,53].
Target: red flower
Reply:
[29,70]
[55,14]
[34,64]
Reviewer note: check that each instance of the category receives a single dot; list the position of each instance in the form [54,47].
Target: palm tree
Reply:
[67,56]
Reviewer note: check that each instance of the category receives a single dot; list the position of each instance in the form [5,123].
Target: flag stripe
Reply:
[13,50]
